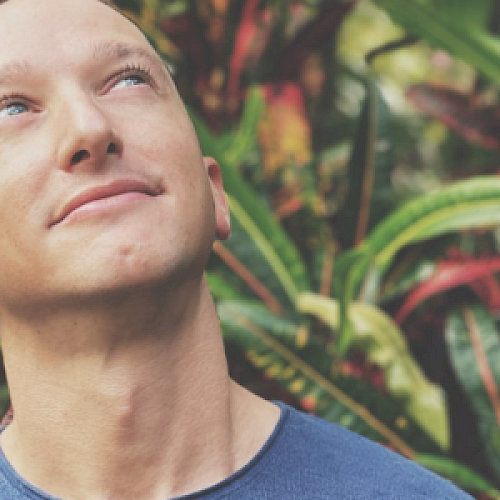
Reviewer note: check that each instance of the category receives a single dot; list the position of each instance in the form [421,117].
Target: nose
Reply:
[87,134]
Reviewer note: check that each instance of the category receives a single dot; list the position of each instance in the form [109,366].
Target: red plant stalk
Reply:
[482,361]
[247,276]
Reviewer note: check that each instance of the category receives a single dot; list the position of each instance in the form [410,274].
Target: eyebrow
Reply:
[109,50]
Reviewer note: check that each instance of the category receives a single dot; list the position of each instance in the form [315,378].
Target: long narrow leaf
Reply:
[247,276]
[369,169]
[446,276]
[245,136]
[458,26]
[461,475]
[250,29]
[474,347]
[469,204]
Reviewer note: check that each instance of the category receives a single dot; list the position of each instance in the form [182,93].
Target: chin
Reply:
[152,270]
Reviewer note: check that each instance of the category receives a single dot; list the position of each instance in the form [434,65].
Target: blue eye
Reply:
[12,109]
[132,75]
[130,81]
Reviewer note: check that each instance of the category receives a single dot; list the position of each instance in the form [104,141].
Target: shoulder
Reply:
[333,457]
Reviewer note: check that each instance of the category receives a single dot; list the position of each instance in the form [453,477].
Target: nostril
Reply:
[83,155]
[79,156]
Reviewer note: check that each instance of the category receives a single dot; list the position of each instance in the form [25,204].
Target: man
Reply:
[111,341]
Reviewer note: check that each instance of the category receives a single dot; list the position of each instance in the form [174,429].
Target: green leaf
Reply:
[461,475]
[257,240]
[414,265]
[4,399]
[221,289]
[132,6]
[385,346]
[370,167]
[463,205]
[246,135]
[230,148]
[474,346]
[258,229]
[458,26]
[289,354]
[473,203]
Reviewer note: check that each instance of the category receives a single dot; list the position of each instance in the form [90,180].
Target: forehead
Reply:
[49,31]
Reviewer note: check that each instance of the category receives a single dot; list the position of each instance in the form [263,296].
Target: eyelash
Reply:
[134,70]
[9,99]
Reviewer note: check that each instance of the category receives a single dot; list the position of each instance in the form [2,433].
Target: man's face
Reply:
[102,183]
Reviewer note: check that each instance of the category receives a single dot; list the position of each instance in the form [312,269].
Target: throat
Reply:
[94,438]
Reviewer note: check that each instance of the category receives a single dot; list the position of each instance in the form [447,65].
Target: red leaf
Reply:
[488,290]
[446,276]
[284,132]
[286,94]
[251,39]
[463,113]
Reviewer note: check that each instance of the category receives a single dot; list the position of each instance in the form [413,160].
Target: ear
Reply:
[222,212]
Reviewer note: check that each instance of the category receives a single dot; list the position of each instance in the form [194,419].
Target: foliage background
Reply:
[359,146]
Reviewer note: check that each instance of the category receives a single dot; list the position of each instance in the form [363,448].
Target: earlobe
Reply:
[222,211]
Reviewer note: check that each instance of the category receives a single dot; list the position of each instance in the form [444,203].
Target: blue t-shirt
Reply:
[305,458]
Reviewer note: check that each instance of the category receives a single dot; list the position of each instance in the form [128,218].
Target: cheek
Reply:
[23,268]
[22,217]
[171,141]
[175,151]
[25,185]
[26,167]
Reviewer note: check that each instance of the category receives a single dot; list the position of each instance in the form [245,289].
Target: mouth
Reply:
[99,198]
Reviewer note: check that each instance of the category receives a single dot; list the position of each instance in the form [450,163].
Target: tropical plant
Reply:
[337,287]
[280,338]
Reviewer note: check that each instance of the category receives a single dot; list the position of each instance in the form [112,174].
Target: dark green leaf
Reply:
[474,347]
[458,26]
[461,475]
[369,169]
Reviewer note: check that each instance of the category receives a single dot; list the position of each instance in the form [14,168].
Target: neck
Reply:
[109,395]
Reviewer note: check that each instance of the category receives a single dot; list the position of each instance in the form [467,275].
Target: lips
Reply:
[113,189]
